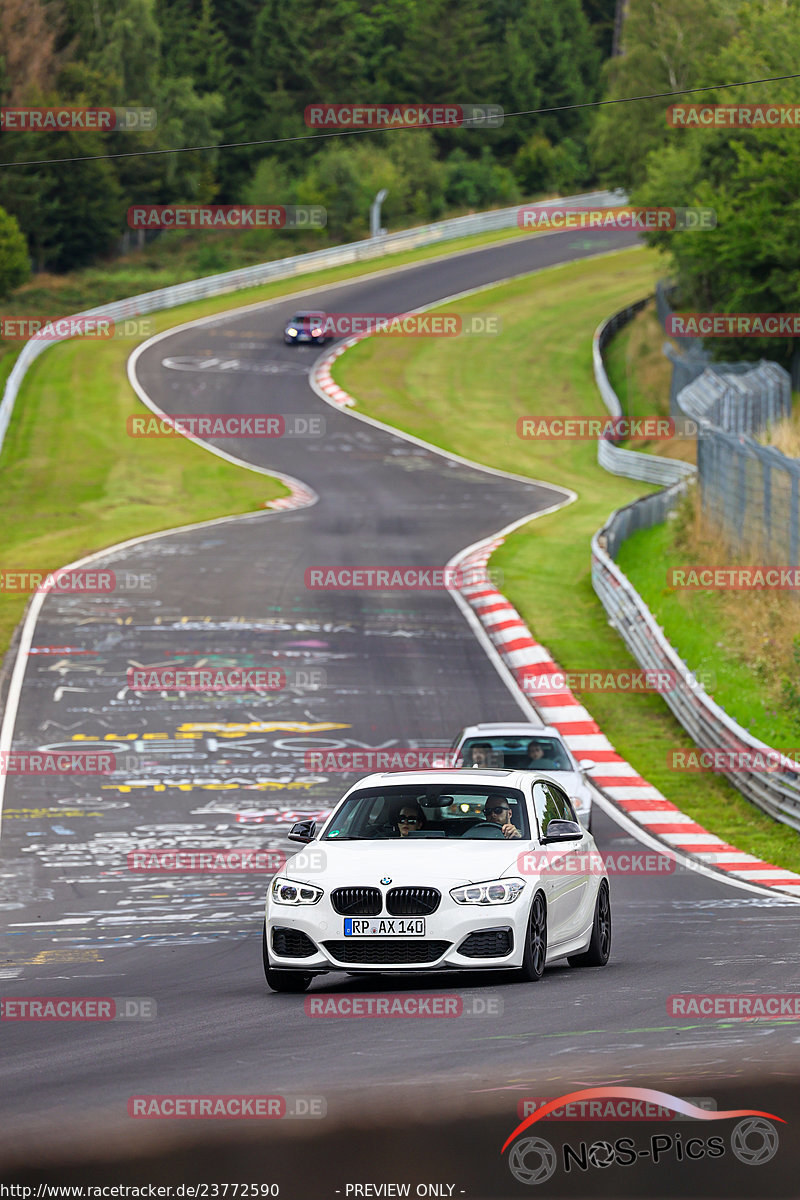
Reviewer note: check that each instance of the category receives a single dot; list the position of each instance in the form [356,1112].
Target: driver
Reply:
[410,819]
[498,812]
[480,755]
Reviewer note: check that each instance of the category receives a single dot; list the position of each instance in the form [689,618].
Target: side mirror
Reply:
[302,831]
[586,764]
[562,831]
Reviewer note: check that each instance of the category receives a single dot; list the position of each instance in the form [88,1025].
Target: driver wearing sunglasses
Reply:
[409,820]
[499,812]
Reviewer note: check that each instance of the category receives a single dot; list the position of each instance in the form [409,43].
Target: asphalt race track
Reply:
[402,669]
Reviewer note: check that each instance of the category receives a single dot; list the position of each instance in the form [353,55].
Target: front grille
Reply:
[487,943]
[374,952]
[356,901]
[412,901]
[292,943]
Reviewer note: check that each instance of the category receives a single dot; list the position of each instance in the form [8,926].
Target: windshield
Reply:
[519,753]
[429,811]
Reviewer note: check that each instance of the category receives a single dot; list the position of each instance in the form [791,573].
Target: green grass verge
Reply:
[466,395]
[697,627]
[74,483]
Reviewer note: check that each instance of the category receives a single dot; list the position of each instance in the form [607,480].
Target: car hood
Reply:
[437,862]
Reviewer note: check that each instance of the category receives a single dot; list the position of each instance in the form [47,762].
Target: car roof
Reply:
[450,776]
[512,728]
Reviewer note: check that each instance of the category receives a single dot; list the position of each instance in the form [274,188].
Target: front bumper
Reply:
[462,937]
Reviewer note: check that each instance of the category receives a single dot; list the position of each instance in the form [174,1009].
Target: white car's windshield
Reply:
[429,811]
[517,753]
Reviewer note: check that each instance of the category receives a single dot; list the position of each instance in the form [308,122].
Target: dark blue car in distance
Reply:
[306,327]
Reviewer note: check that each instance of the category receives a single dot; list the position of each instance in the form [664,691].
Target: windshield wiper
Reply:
[352,837]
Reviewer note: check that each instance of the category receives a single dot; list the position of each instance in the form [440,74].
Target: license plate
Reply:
[384,927]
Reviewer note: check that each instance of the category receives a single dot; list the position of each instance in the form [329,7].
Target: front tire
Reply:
[535,953]
[282,981]
[599,949]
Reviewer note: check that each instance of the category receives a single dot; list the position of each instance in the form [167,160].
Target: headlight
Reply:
[494,891]
[287,891]
[292,332]
[316,332]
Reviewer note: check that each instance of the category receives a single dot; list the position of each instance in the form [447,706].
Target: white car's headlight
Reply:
[494,891]
[316,332]
[287,891]
[292,332]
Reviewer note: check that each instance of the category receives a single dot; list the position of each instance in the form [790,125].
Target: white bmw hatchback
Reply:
[435,870]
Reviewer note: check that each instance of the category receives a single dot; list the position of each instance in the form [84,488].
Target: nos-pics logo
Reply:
[533,1160]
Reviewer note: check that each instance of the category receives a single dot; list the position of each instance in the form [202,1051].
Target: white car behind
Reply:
[506,745]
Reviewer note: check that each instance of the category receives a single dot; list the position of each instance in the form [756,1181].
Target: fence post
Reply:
[766,476]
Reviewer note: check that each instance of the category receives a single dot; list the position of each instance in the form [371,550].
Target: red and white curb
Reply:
[618,780]
[641,803]
[321,374]
[299,496]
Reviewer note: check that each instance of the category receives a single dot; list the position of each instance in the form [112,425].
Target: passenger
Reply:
[498,812]
[542,757]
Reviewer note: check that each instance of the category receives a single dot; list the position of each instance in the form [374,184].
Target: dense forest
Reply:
[239,71]
[235,74]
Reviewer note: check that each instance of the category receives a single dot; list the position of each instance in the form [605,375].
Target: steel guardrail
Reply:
[285,268]
[775,792]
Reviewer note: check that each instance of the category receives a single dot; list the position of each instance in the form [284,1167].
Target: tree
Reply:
[751,261]
[70,213]
[666,49]
[600,15]
[477,183]
[15,265]
[28,58]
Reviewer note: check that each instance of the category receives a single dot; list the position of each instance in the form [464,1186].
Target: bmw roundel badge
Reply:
[386,879]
